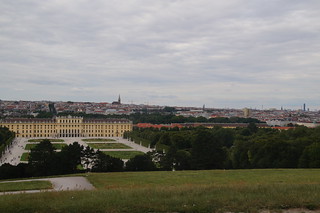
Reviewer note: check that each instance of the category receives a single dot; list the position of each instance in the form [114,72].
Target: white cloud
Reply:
[170,52]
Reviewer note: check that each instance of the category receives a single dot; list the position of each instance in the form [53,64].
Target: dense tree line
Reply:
[240,148]
[183,149]
[157,118]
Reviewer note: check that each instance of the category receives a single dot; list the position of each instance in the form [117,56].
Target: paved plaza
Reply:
[14,153]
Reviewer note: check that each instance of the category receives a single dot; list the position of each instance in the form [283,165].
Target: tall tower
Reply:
[246,112]
[119,99]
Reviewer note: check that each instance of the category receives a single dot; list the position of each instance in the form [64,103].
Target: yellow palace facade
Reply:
[67,126]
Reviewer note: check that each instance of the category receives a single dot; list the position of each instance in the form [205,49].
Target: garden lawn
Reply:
[51,140]
[123,154]
[98,140]
[109,146]
[57,146]
[25,156]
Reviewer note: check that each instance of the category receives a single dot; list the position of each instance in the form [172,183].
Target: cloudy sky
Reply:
[232,53]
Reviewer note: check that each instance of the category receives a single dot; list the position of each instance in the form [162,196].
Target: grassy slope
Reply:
[187,191]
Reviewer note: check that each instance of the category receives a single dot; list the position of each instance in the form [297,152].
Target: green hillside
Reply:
[180,191]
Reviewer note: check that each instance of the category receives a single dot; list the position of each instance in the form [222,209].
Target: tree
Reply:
[140,163]
[70,157]
[240,154]
[41,158]
[88,157]
[182,160]
[311,156]
[207,152]
[106,163]
[165,139]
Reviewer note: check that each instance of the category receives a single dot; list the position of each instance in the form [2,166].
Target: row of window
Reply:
[67,135]
[69,121]
[53,126]
[66,131]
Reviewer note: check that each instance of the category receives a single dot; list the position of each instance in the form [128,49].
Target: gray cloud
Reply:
[234,53]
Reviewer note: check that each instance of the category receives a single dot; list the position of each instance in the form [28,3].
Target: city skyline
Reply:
[232,54]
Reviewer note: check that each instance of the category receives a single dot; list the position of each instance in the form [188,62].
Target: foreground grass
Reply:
[109,146]
[51,140]
[27,185]
[186,191]
[55,145]
[98,139]
[123,154]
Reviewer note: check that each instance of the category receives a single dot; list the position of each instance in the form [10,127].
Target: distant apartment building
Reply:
[67,126]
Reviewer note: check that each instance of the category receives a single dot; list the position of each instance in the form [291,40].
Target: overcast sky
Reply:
[232,53]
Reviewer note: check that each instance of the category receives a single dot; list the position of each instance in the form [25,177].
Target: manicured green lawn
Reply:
[51,140]
[98,139]
[108,146]
[123,154]
[27,185]
[180,191]
[25,156]
[55,145]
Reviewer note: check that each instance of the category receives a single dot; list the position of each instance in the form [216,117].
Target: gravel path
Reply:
[14,153]
[58,184]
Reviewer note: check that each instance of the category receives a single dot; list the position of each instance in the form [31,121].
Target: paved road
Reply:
[58,184]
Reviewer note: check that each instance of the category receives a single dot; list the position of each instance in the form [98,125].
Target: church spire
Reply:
[119,99]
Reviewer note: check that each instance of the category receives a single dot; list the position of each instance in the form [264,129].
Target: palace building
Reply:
[67,126]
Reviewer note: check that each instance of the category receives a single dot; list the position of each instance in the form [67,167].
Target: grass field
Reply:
[123,154]
[25,156]
[180,191]
[98,140]
[108,146]
[28,185]
[55,145]
[51,140]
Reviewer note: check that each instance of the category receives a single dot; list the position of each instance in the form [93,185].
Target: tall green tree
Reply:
[207,152]
[140,163]
[41,158]
[106,163]
[311,156]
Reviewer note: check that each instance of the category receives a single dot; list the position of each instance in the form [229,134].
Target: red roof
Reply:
[282,127]
[149,125]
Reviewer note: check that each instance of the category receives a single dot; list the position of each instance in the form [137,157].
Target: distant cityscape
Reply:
[273,116]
